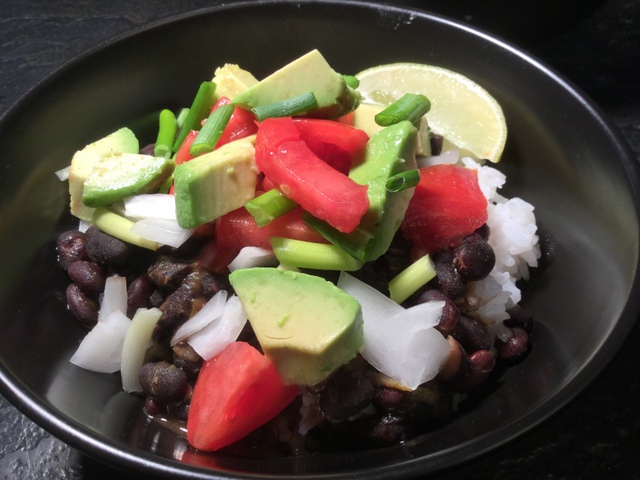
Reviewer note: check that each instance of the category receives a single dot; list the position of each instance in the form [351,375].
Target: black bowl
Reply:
[561,156]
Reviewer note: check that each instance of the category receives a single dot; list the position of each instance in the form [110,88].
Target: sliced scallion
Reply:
[211,131]
[286,108]
[269,206]
[408,281]
[403,180]
[200,108]
[409,107]
[351,81]
[182,116]
[168,127]
[320,256]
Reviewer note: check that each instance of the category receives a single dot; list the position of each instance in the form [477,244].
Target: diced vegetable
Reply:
[135,346]
[409,107]
[319,256]
[168,127]
[321,190]
[236,392]
[447,205]
[200,108]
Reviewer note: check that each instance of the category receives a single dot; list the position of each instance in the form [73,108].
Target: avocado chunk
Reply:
[215,183]
[306,325]
[309,73]
[120,141]
[119,175]
[231,80]
[388,152]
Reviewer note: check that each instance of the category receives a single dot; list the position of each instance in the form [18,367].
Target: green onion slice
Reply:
[166,134]
[286,108]
[211,131]
[409,107]
[270,205]
[403,180]
[199,110]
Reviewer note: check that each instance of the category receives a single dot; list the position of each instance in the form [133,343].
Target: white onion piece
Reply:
[118,321]
[220,333]
[63,173]
[135,346]
[250,257]
[162,230]
[208,313]
[83,226]
[400,343]
[114,296]
[150,205]
[101,348]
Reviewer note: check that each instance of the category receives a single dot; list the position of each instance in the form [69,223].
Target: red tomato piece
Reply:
[338,144]
[241,124]
[326,193]
[236,392]
[447,205]
[183,155]
[238,229]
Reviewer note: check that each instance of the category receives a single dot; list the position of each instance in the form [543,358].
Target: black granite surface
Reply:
[598,435]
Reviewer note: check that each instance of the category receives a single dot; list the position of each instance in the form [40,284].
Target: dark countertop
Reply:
[598,435]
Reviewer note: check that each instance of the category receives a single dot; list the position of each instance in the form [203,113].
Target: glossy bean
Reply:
[88,276]
[82,305]
[70,247]
[138,294]
[163,381]
[471,335]
[105,249]
[516,347]
[347,392]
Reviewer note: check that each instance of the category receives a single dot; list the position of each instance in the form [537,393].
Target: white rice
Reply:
[513,238]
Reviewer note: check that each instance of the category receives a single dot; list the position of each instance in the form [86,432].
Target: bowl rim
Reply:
[108,451]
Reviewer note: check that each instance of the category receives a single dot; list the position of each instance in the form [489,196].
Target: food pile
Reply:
[304,261]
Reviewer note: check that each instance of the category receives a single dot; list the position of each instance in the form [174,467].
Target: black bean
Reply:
[138,294]
[389,398]
[167,273]
[436,142]
[390,428]
[187,359]
[448,280]
[83,306]
[483,231]
[70,247]
[450,313]
[163,381]
[346,393]
[152,407]
[519,317]
[479,366]
[89,276]
[515,347]
[471,335]
[474,260]
[148,149]
[105,249]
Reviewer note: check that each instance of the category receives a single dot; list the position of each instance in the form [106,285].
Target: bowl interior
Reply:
[561,156]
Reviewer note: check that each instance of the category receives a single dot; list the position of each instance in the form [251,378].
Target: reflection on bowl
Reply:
[561,156]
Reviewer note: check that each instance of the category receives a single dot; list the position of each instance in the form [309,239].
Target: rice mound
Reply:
[513,238]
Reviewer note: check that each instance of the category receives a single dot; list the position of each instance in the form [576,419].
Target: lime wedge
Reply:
[463,112]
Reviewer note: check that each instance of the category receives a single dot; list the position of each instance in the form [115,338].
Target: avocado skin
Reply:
[306,325]
[388,152]
[119,175]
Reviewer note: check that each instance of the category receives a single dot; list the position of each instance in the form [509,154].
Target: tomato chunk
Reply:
[236,392]
[338,144]
[447,205]
[301,175]
[238,229]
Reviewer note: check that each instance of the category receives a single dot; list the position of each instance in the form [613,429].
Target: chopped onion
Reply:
[250,257]
[135,346]
[162,230]
[83,226]
[150,205]
[446,157]
[221,332]
[208,313]
[399,343]
[101,348]
[63,173]
[114,297]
